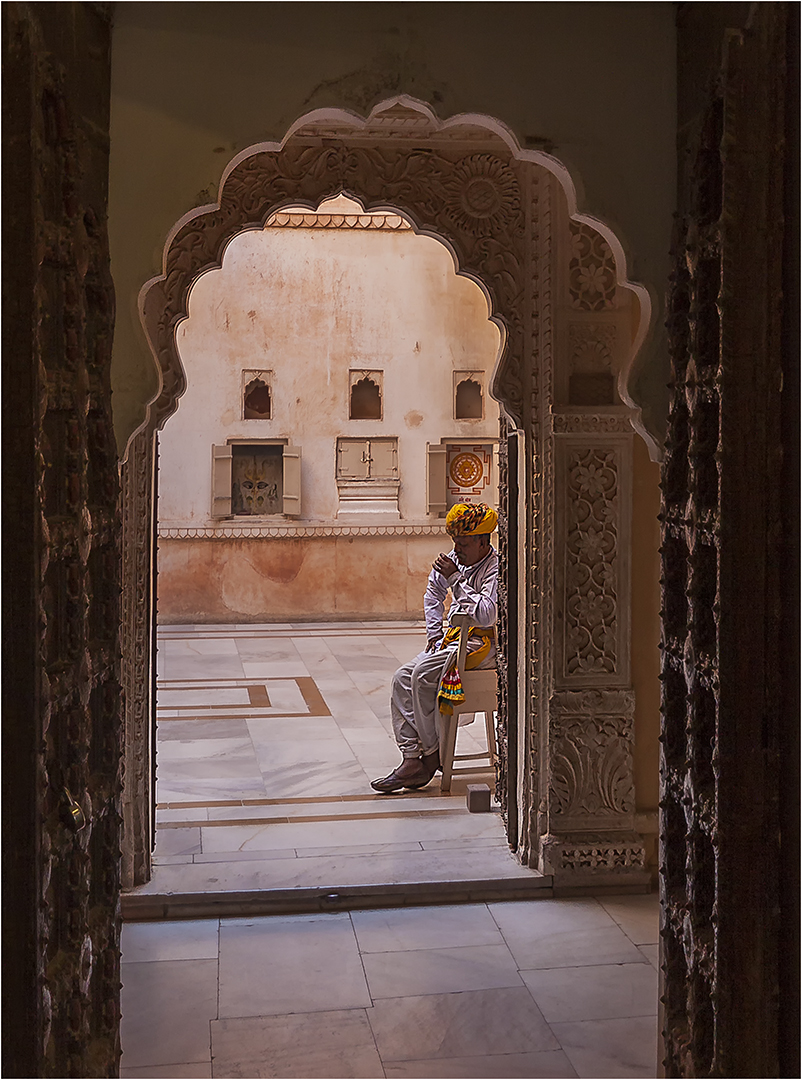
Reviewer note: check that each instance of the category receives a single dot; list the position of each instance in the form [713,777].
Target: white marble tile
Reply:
[275,669]
[327,753]
[652,954]
[356,849]
[303,730]
[177,842]
[638,916]
[290,964]
[195,1070]
[399,929]
[476,1022]
[179,939]
[184,788]
[321,1044]
[243,856]
[439,971]
[216,751]
[379,829]
[199,695]
[166,1009]
[549,1064]
[166,814]
[332,872]
[190,729]
[199,646]
[594,992]
[610,1048]
[575,948]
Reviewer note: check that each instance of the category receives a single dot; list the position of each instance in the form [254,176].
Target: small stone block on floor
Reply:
[478,798]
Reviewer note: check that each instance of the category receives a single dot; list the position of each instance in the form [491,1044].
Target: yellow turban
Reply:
[465,519]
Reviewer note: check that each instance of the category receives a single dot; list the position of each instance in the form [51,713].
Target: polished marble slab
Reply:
[408,973]
[289,964]
[475,1022]
[323,1044]
[175,1001]
[618,1048]
[194,1070]
[599,992]
[548,1064]
[187,939]
[402,929]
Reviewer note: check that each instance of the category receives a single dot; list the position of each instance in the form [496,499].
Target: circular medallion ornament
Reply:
[466,470]
[484,194]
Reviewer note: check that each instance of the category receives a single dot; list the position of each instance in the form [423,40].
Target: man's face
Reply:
[470,549]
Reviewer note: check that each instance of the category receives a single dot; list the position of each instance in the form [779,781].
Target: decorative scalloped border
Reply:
[292,532]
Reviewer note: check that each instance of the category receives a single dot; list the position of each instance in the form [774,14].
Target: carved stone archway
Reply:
[509,218]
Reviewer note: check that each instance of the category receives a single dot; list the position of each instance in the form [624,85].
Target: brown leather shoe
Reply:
[407,775]
[431,762]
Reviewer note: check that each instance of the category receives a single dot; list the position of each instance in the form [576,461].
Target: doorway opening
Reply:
[572,690]
[291,585]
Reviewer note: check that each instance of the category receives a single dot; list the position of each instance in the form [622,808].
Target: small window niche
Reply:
[257,396]
[256,480]
[468,395]
[365,395]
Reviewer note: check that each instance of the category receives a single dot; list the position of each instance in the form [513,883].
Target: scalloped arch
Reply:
[461,181]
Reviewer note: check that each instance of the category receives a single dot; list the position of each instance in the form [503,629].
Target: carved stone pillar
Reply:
[588,797]
[137,675]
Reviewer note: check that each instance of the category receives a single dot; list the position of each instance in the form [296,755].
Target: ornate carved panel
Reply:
[63,983]
[590,766]
[136,627]
[592,577]
[591,273]
[721,765]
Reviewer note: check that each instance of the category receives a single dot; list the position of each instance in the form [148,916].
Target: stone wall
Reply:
[62,731]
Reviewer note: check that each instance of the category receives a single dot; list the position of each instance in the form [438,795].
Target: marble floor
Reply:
[537,988]
[268,738]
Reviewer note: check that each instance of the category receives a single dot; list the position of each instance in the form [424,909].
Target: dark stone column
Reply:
[62,704]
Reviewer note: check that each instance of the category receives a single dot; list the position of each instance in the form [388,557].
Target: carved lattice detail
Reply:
[591,273]
[591,591]
[138,615]
[591,756]
[591,422]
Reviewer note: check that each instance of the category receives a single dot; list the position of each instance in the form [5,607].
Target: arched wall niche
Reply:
[566,704]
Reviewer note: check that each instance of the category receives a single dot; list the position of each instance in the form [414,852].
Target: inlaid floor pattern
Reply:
[268,738]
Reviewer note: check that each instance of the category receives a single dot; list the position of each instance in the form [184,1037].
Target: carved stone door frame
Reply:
[505,215]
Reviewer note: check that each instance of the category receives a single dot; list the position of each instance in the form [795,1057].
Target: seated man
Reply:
[471,572]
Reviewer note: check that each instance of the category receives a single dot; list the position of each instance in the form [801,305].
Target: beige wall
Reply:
[305,577]
[309,305]
[194,83]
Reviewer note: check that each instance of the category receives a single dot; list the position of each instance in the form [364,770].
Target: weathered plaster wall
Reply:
[210,580]
[195,83]
[309,305]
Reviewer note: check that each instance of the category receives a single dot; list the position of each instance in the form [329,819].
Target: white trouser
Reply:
[413,700]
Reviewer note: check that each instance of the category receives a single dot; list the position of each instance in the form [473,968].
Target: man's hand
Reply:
[443,565]
[432,644]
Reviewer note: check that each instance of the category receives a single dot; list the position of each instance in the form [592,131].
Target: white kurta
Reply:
[413,701]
